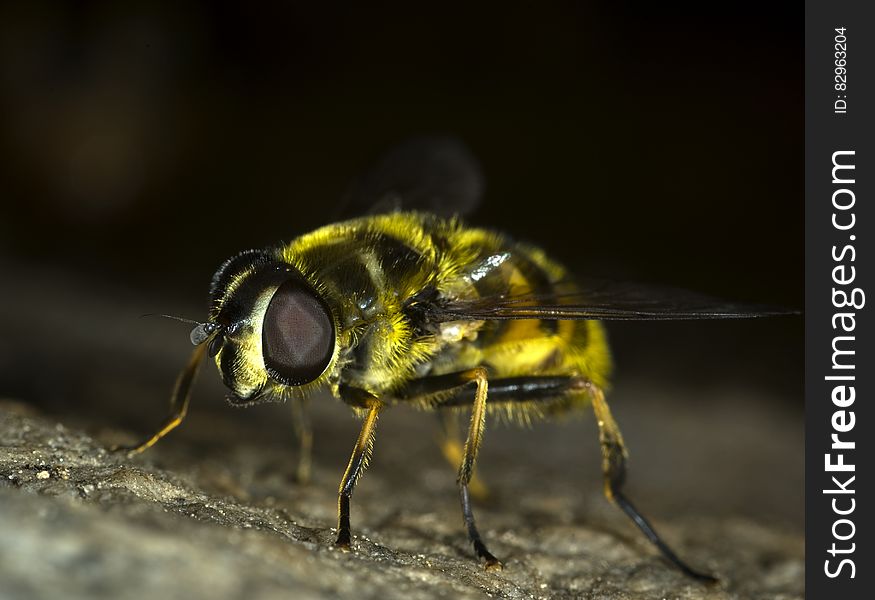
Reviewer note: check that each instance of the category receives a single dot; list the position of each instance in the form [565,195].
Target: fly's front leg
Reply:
[614,468]
[358,462]
[178,403]
[304,435]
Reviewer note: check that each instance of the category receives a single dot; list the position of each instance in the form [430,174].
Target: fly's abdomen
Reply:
[533,346]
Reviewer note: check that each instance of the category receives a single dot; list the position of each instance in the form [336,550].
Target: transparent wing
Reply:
[603,301]
[432,174]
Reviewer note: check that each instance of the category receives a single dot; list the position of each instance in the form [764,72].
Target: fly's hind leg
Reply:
[549,388]
[178,403]
[440,384]
[614,468]
[304,436]
[466,469]
[453,449]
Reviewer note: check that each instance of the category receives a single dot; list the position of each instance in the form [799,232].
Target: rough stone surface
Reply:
[199,517]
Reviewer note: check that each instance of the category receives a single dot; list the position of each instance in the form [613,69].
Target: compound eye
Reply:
[297,334]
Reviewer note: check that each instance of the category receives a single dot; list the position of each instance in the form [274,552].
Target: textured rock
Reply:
[195,519]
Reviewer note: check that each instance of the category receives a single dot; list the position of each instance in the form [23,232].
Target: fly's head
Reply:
[270,330]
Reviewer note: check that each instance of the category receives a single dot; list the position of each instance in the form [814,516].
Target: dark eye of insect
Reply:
[297,334]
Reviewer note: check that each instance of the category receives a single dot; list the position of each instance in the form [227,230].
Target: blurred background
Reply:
[142,144]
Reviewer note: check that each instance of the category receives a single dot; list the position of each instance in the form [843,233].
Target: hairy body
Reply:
[375,274]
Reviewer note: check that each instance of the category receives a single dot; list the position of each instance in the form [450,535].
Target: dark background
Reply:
[141,145]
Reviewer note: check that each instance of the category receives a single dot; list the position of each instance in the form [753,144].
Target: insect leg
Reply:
[179,400]
[453,450]
[304,435]
[547,388]
[614,467]
[472,446]
[519,389]
[441,385]
[358,462]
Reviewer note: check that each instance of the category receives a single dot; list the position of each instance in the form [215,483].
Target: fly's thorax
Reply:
[371,269]
[277,332]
